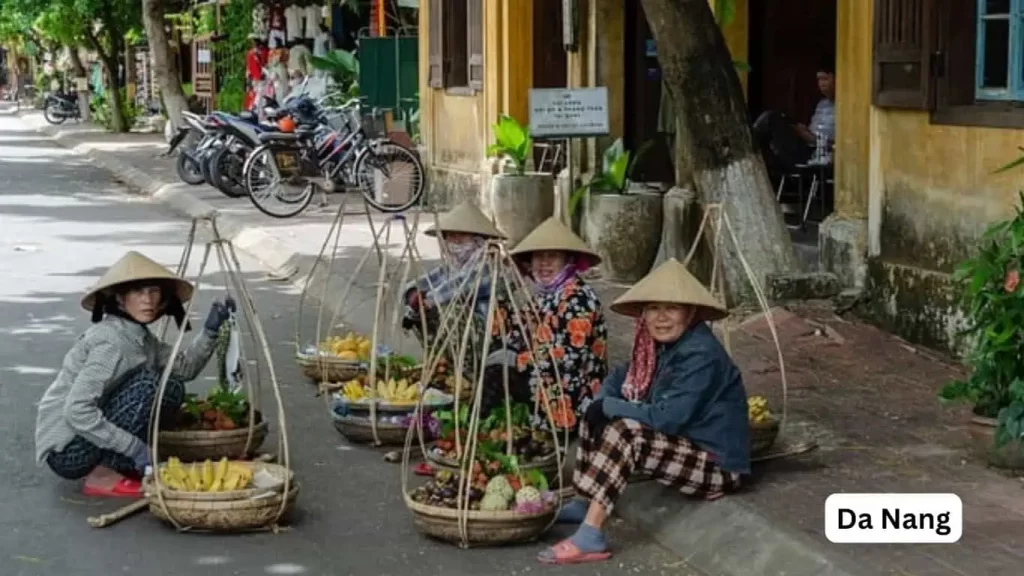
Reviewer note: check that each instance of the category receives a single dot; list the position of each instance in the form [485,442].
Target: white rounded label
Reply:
[894,518]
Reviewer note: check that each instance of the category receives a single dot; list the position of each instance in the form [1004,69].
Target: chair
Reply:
[818,172]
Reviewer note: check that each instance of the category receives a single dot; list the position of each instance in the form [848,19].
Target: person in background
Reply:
[278,67]
[299,65]
[255,62]
[676,411]
[94,418]
[570,340]
[793,143]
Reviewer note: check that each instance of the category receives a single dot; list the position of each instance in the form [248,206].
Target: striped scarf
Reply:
[641,365]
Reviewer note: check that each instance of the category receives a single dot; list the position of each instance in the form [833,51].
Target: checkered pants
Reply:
[128,408]
[604,465]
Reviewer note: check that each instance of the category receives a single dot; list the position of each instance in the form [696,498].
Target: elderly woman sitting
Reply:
[677,412]
[94,418]
[571,335]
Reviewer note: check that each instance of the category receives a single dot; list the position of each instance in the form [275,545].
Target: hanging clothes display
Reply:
[260,21]
[293,16]
[312,17]
[276,25]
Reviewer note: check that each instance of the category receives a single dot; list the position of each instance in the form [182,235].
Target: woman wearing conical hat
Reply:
[463,234]
[676,411]
[572,331]
[94,418]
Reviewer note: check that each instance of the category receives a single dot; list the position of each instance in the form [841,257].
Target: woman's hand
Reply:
[595,418]
[140,455]
[219,314]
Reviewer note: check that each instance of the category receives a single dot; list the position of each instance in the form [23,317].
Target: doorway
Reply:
[788,42]
[644,102]
[550,70]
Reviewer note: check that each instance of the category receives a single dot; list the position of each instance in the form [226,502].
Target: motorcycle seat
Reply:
[247,116]
[278,137]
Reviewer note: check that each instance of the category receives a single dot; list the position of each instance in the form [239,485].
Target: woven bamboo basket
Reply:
[547,465]
[483,528]
[763,435]
[235,511]
[193,445]
[325,368]
[360,431]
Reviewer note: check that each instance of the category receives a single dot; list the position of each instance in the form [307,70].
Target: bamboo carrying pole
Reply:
[228,259]
[496,265]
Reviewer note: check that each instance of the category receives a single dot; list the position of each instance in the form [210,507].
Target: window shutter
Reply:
[475,18]
[435,75]
[903,42]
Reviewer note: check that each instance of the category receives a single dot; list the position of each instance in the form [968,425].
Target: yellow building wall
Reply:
[456,125]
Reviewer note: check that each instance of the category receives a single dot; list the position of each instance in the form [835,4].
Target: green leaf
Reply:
[1011,165]
[725,12]
[511,140]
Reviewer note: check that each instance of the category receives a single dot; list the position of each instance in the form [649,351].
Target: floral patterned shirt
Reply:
[572,328]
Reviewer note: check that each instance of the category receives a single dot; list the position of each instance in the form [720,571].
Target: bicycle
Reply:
[330,149]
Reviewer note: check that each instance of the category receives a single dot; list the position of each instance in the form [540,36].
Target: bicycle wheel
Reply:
[390,176]
[268,192]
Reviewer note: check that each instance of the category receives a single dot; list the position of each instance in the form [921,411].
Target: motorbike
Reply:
[233,138]
[190,142]
[60,107]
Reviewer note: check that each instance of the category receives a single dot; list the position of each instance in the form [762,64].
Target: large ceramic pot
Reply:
[520,203]
[983,438]
[625,229]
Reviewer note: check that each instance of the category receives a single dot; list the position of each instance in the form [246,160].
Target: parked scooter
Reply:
[60,107]
[190,141]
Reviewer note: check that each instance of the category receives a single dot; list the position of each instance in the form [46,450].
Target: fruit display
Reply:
[352,347]
[207,476]
[528,445]
[220,410]
[757,410]
[401,392]
[492,488]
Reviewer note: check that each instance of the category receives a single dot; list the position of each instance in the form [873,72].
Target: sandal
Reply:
[123,488]
[565,552]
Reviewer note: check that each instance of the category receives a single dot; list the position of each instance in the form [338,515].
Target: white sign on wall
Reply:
[568,112]
[203,56]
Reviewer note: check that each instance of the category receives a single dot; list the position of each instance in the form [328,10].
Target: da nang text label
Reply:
[894,518]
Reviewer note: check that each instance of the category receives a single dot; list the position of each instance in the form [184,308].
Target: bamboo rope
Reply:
[496,262]
[726,224]
[229,258]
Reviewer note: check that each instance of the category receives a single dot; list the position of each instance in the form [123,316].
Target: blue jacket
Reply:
[697,393]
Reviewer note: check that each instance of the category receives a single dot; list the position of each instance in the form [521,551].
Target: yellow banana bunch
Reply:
[757,409]
[397,391]
[353,391]
[224,476]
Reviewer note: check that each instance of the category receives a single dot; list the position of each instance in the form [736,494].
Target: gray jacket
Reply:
[71,406]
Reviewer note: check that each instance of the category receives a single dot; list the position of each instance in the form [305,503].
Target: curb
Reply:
[723,538]
[276,255]
[727,537]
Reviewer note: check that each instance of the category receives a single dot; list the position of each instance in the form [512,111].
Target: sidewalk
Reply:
[867,398]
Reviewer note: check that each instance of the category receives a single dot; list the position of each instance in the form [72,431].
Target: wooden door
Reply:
[643,100]
[550,69]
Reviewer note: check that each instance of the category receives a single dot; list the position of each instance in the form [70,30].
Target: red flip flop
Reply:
[123,488]
[423,469]
[565,552]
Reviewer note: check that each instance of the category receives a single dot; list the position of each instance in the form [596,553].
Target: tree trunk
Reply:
[76,62]
[714,140]
[165,68]
[110,69]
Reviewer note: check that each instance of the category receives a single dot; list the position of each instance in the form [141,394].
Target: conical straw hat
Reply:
[465,219]
[131,268]
[553,235]
[670,283]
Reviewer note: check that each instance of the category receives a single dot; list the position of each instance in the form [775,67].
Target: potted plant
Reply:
[620,219]
[520,200]
[993,303]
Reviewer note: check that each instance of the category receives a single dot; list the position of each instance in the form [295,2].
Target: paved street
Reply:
[62,222]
